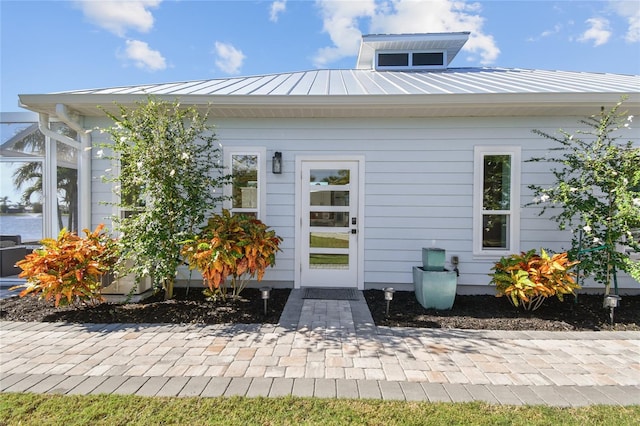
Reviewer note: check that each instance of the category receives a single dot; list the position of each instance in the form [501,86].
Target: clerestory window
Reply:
[411,60]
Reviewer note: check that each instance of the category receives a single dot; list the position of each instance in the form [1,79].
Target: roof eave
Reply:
[427,105]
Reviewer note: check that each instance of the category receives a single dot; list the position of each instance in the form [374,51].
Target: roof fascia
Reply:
[282,106]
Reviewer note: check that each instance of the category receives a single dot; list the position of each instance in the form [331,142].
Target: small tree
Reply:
[597,192]
[170,170]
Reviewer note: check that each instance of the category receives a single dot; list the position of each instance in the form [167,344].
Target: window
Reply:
[428,59]
[32,167]
[248,188]
[393,60]
[496,218]
[411,60]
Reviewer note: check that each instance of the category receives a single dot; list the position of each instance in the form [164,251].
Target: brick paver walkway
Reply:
[324,349]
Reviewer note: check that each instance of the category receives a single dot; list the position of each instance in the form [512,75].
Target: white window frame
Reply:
[410,60]
[261,153]
[513,237]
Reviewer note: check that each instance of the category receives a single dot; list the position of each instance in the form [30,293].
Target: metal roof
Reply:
[368,82]
[369,93]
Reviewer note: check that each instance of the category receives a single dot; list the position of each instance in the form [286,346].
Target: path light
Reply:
[611,301]
[388,296]
[265,296]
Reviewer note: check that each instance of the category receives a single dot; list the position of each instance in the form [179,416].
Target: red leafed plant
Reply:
[231,246]
[68,269]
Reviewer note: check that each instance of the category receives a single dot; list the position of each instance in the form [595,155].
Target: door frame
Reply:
[360,159]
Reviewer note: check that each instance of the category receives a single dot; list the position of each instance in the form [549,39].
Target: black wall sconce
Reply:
[276,163]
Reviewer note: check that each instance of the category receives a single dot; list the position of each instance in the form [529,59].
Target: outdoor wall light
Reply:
[276,163]
[388,296]
[265,296]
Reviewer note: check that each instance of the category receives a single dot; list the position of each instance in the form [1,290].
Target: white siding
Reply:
[418,185]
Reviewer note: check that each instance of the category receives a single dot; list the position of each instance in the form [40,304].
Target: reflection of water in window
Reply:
[22,151]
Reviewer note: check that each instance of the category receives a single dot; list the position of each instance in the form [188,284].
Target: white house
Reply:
[377,162]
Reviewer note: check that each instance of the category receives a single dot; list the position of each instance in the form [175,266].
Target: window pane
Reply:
[497,182]
[425,59]
[329,198]
[21,199]
[495,229]
[67,182]
[328,261]
[245,181]
[329,239]
[329,219]
[393,59]
[21,138]
[329,177]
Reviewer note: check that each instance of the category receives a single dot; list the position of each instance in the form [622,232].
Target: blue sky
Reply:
[50,46]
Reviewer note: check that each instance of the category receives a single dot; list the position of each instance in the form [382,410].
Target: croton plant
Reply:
[527,279]
[68,270]
[238,247]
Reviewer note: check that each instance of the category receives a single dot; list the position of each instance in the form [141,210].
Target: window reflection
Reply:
[22,154]
[329,177]
[245,181]
[329,219]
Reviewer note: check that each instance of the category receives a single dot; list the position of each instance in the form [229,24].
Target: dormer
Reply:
[407,52]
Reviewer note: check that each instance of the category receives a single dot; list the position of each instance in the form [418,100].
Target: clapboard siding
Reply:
[418,185]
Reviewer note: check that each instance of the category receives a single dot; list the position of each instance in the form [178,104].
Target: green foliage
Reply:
[596,193]
[236,246]
[69,269]
[529,278]
[169,171]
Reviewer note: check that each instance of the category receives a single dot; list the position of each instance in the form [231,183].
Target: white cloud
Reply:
[343,19]
[598,31]
[229,59]
[630,10]
[277,7]
[117,16]
[547,33]
[143,56]
[340,21]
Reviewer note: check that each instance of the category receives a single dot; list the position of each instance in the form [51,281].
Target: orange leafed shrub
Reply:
[529,278]
[231,246]
[69,269]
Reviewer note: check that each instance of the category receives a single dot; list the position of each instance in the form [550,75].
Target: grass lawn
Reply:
[37,409]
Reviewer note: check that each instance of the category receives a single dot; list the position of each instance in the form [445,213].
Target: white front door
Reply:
[330,224]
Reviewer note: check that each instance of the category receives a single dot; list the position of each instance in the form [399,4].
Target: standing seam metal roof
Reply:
[368,82]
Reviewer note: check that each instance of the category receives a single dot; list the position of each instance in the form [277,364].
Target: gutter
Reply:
[84,162]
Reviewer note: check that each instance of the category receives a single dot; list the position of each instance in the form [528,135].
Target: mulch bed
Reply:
[496,313]
[186,308]
[468,312]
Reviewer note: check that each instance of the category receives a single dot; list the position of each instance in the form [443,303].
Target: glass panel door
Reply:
[329,224]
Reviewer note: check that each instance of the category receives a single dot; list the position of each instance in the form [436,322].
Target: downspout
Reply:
[84,158]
